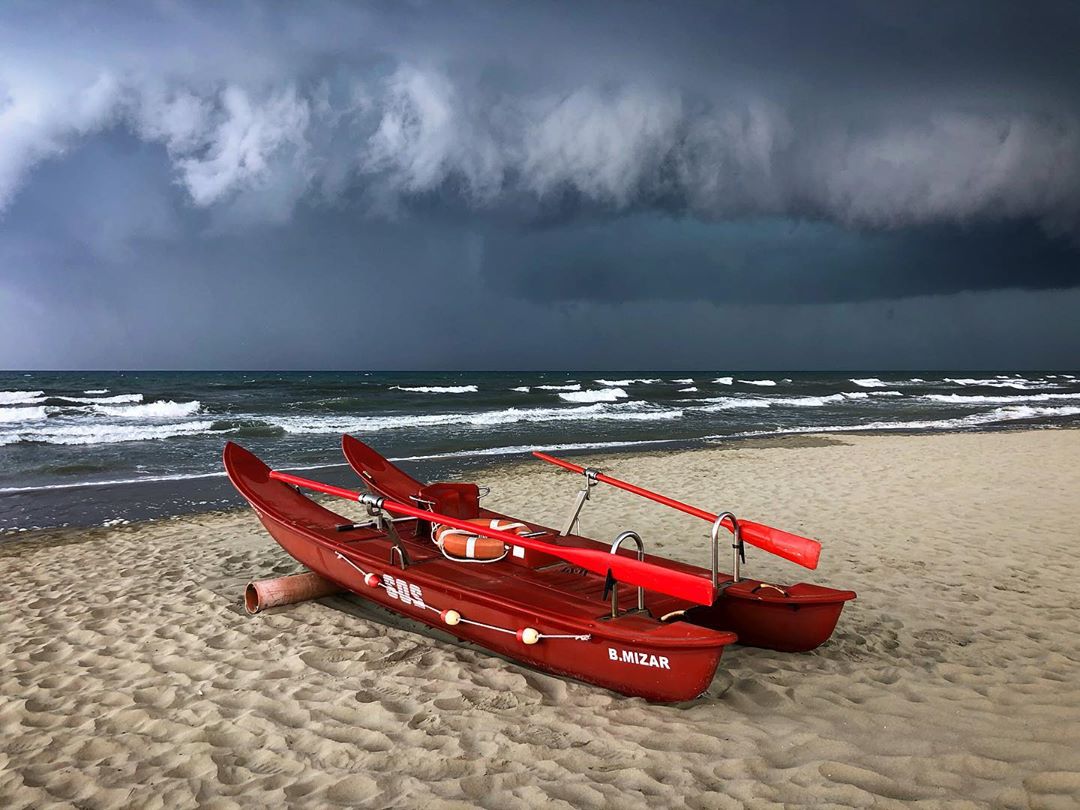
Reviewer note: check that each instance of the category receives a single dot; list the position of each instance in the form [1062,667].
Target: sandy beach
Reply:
[131,677]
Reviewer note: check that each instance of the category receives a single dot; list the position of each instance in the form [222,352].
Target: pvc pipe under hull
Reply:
[261,594]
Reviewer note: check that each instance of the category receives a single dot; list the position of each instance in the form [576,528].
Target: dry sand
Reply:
[130,678]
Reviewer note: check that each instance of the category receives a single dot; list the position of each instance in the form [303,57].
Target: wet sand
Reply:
[130,676]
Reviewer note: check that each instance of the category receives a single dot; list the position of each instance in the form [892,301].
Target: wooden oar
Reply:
[801,550]
[624,569]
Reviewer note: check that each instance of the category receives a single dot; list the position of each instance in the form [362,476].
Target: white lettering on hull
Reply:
[639,658]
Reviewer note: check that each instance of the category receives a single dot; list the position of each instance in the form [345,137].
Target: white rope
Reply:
[488,626]
[462,619]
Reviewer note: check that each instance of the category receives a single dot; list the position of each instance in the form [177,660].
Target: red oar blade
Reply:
[630,570]
[801,550]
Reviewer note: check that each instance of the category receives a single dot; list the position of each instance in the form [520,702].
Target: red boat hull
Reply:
[787,624]
[794,618]
[498,603]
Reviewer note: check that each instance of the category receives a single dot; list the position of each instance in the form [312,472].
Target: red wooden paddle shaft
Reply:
[801,550]
[625,569]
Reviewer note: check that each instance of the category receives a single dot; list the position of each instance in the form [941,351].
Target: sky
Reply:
[467,185]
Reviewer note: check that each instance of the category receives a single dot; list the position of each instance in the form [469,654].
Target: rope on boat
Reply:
[526,635]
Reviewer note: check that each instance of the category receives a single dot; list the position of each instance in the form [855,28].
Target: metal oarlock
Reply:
[627,535]
[571,524]
[737,551]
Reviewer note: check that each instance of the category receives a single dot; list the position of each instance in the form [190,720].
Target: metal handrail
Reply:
[627,535]
[736,545]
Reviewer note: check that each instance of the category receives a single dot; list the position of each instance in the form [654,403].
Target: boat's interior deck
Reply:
[559,579]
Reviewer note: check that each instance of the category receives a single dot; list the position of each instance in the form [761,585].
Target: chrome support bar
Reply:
[403,556]
[736,545]
[627,535]
[571,523]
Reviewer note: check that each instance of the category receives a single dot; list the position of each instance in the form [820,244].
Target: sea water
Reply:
[103,447]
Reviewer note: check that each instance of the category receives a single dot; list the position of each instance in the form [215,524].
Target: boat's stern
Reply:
[794,618]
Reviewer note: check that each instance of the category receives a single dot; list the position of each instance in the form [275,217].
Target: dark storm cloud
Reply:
[526,155]
[861,114]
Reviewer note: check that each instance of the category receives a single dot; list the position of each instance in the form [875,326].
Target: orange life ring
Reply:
[467,546]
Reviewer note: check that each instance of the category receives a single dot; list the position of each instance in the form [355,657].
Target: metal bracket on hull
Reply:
[571,524]
[376,524]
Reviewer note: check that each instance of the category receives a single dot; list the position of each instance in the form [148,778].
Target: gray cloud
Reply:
[309,115]
[570,162]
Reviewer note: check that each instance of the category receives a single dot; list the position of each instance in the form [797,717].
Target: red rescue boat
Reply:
[552,600]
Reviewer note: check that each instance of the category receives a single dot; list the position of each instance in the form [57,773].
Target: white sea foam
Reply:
[626,411]
[20,397]
[152,410]
[1014,413]
[96,391]
[729,404]
[528,448]
[608,395]
[1005,399]
[151,479]
[13,415]
[733,403]
[436,389]
[807,402]
[1020,385]
[870,382]
[619,383]
[691,390]
[567,387]
[524,389]
[724,380]
[100,434]
[114,400]
[885,394]
[763,383]
[684,381]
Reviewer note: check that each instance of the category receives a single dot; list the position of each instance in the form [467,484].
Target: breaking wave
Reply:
[101,434]
[724,380]
[870,382]
[763,383]
[522,449]
[975,399]
[152,410]
[1015,413]
[436,389]
[114,400]
[618,383]
[729,403]
[1021,385]
[567,387]
[629,412]
[20,397]
[610,395]
[11,415]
